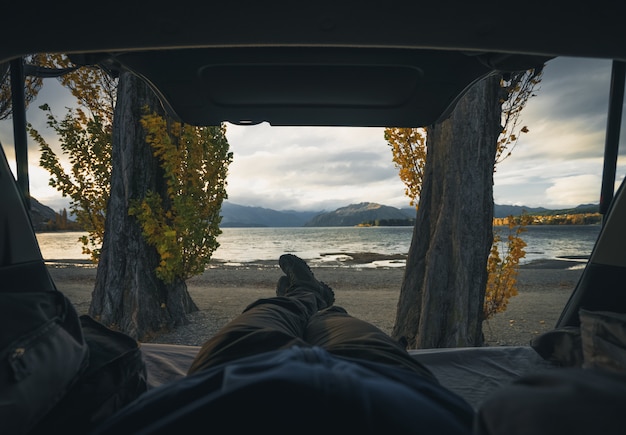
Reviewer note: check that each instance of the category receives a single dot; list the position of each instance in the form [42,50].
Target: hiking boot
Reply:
[282,285]
[326,291]
[296,270]
[327,294]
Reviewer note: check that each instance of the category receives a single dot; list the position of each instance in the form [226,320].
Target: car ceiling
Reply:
[393,63]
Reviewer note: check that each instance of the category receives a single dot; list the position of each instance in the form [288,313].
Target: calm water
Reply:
[326,245]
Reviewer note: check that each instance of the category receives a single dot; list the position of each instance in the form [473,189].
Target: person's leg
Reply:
[271,323]
[341,334]
[267,324]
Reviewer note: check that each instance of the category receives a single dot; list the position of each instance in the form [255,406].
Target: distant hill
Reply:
[583,208]
[40,215]
[356,214]
[234,215]
[501,211]
[45,218]
[409,211]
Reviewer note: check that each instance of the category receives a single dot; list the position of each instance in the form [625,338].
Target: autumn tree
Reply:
[442,294]
[84,134]
[85,141]
[408,148]
[139,290]
[183,224]
[503,266]
[156,216]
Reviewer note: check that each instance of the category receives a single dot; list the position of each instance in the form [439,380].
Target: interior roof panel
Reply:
[554,28]
[440,49]
[310,85]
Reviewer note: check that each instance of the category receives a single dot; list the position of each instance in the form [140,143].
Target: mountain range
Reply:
[235,215]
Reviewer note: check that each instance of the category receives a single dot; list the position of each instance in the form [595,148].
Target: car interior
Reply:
[401,64]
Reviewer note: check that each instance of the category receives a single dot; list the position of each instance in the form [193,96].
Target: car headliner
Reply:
[396,63]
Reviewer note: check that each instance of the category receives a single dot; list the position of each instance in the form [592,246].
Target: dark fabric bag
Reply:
[42,354]
[599,342]
[603,340]
[562,346]
[587,396]
[116,375]
[569,401]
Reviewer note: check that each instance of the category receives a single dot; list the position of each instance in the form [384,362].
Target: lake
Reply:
[239,245]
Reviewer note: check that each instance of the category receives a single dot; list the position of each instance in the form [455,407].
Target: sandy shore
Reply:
[366,292]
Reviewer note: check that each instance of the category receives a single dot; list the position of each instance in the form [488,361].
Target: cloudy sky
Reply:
[557,164]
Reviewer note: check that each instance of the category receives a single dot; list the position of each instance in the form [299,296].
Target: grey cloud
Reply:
[576,89]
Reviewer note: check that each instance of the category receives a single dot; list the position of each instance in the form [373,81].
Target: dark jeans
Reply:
[284,321]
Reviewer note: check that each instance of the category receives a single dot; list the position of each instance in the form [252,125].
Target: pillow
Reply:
[603,337]
[561,346]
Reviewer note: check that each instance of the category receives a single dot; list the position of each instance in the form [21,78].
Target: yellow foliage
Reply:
[408,147]
[85,137]
[184,224]
[502,271]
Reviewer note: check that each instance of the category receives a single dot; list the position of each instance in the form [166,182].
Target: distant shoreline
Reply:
[535,224]
[361,258]
[564,262]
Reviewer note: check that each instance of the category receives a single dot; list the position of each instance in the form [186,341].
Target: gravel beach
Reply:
[369,293]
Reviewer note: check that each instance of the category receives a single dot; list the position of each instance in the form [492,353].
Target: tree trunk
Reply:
[128,296]
[442,293]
